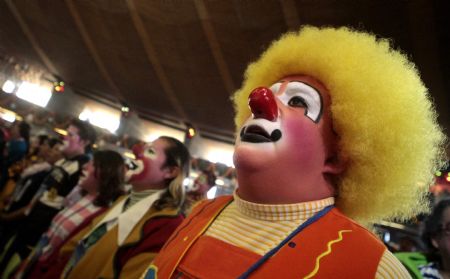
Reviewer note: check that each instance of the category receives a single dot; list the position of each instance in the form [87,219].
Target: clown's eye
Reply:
[297,101]
[150,152]
[302,95]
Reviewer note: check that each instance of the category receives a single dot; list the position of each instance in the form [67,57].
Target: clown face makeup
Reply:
[287,142]
[149,171]
[72,143]
[262,101]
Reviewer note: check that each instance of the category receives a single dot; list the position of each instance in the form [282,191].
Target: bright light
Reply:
[447,178]
[191,132]
[218,156]
[211,194]
[58,86]
[129,155]
[34,93]
[8,117]
[125,109]
[186,181]
[387,237]
[151,137]
[100,119]
[220,182]
[85,115]
[8,87]
[61,131]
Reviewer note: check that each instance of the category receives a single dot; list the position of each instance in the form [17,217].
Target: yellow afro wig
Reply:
[380,109]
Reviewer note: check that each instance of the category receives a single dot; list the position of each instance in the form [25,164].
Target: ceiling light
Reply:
[8,87]
[60,131]
[101,119]
[34,93]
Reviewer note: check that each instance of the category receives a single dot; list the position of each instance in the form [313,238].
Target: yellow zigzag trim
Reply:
[316,268]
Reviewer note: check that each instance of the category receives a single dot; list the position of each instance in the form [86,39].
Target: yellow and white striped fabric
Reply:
[260,227]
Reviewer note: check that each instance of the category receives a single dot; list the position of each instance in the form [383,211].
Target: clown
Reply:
[130,234]
[333,126]
[204,181]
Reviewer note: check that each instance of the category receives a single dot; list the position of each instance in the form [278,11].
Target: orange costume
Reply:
[202,256]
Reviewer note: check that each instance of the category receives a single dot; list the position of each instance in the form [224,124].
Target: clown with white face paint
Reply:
[323,118]
[150,160]
[290,128]
[137,225]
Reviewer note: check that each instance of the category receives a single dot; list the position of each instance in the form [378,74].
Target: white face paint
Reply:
[293,95]
[149,164]
[299,94]
[290,169]
[266,126]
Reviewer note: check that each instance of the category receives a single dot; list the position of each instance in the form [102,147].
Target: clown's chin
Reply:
[251,157]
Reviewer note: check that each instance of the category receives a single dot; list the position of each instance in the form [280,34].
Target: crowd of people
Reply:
[61,197]
[319,151]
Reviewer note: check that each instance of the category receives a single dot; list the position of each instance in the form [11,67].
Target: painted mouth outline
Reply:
[257,134]
[138,168]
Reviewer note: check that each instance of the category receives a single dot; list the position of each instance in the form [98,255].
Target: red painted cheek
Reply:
[300,130]
[302,139]
[142,175]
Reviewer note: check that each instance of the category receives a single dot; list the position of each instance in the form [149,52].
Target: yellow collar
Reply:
[281,212]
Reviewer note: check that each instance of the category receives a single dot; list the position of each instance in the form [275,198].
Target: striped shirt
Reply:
[66,221]
[260,227]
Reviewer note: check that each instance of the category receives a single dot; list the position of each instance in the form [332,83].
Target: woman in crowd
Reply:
[101,184]
[121,242]
[205,180]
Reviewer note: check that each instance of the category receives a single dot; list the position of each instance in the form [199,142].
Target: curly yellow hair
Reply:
[380,109]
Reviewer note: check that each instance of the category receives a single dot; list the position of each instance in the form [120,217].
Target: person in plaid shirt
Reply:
[101,183]
[48,200]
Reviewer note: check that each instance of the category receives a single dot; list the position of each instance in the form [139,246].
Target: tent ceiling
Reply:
[181,60]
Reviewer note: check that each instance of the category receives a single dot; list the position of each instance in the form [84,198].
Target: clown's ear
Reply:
[171,172]
[335,164]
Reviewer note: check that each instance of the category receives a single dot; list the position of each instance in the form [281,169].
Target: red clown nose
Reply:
[263,104]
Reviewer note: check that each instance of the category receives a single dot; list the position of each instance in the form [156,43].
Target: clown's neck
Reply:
[138,187]
[269,188]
